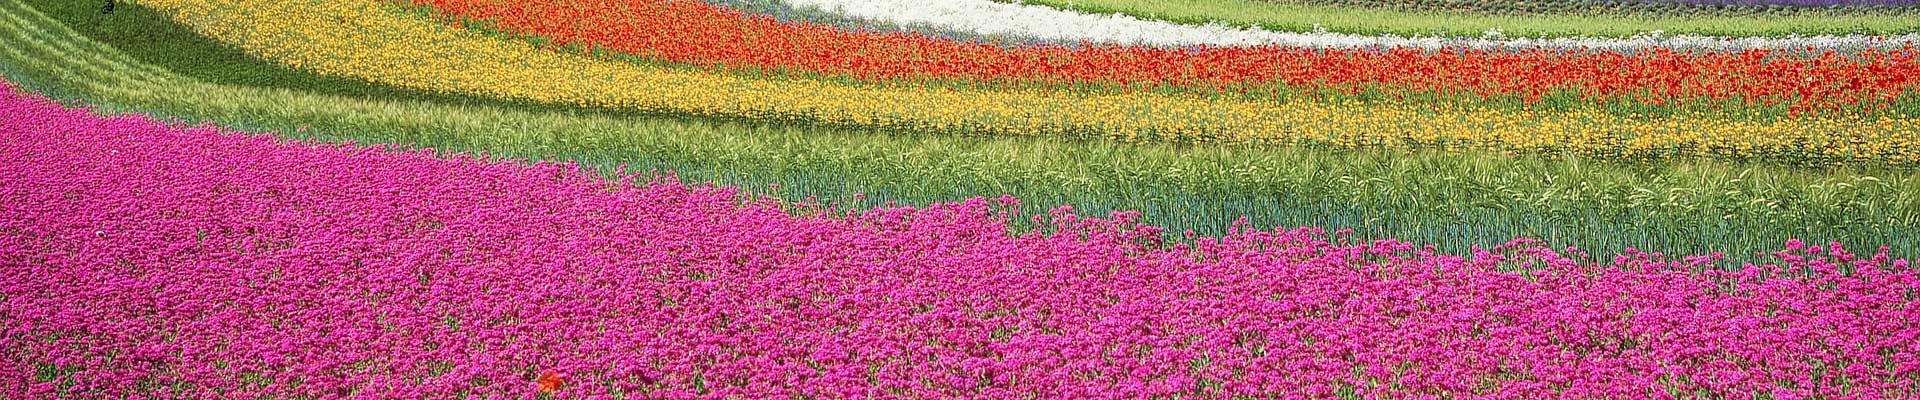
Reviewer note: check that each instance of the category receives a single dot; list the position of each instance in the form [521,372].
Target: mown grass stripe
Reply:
[1371,21]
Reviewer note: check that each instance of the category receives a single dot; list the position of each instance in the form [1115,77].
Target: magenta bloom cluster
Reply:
[144,260]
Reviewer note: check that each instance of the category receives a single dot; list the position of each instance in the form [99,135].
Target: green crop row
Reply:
[1302,17]
[1618,8]
[134,60]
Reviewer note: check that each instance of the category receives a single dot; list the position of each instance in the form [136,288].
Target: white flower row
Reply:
[987,17]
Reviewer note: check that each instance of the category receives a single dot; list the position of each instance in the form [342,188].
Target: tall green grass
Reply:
[1454,200]
[1301,17]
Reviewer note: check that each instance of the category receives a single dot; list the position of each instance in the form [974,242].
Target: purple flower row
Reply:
[145,260]
[1803,3]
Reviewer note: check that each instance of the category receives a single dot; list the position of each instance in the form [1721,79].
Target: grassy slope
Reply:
[1456,200]
[1303,17]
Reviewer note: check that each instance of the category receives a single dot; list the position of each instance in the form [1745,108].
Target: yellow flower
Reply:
[377,42]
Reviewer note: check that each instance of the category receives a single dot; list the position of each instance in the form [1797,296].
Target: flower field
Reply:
[1526,18]
[959,199]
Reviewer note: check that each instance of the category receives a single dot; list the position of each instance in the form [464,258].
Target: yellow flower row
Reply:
[380,42]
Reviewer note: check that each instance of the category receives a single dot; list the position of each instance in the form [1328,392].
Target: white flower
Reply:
[989,18]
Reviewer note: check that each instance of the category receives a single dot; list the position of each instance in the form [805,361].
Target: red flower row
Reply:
[693,32]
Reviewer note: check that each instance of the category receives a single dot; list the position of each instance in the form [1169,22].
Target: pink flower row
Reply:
[151,261]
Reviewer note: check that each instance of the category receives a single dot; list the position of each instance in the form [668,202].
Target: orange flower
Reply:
[551,381]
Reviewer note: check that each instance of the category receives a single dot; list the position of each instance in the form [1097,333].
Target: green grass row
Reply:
[1623,8]
[1299,16]
[134,60]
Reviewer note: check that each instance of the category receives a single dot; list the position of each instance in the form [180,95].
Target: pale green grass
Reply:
[1295,17]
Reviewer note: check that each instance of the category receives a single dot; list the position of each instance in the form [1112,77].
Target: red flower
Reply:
[698,33]
[550,381]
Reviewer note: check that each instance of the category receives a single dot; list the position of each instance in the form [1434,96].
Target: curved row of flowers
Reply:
[1519,18]
[370,40]
[695,33]
[788,13]
[988,17]
[151,261]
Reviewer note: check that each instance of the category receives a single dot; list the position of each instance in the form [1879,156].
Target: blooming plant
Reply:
[151,260]
[1663,70]
[1029,20]
[550,381]
[367,40]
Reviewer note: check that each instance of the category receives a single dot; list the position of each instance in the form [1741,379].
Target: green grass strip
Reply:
[1612,7]
[1454,200]
[1295,17]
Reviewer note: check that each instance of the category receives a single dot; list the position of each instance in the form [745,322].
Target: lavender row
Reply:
[192,262]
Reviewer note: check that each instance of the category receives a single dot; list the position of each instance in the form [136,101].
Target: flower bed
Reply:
[163,261]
